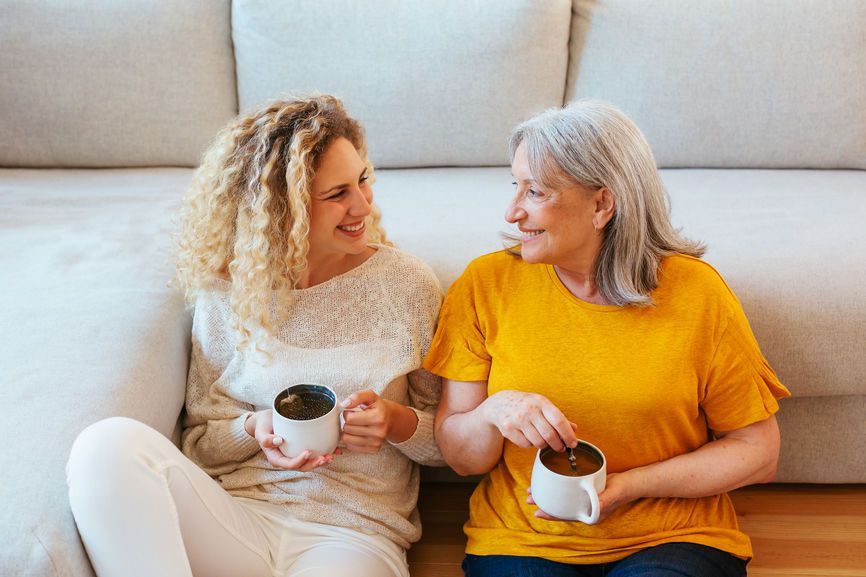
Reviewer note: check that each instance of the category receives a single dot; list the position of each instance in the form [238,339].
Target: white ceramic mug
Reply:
[320,436]
[569,497]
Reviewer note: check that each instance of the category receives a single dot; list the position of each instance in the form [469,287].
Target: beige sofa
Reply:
[755,111]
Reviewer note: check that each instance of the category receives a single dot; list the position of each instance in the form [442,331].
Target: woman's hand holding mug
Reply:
[370,420]
[261,426]
[529,420]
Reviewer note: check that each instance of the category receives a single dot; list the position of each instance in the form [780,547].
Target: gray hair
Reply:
[594,144]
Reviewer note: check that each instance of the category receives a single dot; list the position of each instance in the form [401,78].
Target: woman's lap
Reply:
[143,508]
[669,560]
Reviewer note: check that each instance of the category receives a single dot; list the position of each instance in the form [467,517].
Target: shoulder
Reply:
[213,300]
[404,268]
[495,265]
[213,319]
[495,261]
[404,278]
[696,282]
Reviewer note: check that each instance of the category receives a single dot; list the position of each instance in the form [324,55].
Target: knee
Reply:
[103,447]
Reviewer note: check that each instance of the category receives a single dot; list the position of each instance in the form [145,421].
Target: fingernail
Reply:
[344,403]
[277,441]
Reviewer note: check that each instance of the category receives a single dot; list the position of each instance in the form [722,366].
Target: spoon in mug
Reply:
[571,459]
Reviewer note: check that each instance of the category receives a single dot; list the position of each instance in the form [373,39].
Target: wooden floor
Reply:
[796,530]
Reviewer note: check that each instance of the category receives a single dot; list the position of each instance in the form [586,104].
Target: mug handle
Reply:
[594,508]
[359,408]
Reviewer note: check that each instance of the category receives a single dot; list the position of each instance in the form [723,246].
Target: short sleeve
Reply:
[740,387]
[458,351]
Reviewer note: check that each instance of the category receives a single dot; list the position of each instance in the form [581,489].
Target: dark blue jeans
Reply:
[668,560]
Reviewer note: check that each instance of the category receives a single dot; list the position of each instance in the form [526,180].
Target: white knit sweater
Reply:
[366,329]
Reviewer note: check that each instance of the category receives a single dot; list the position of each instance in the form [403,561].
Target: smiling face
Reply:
[557,226]
[340,201]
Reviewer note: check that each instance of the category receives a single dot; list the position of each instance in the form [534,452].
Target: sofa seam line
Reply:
[47,552]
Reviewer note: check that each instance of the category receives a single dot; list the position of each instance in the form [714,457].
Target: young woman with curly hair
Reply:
[282,257]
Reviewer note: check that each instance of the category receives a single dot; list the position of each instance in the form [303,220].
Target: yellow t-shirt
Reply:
[643,384]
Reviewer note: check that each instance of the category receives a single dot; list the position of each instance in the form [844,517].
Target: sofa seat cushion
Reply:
[791,244]
[90,330]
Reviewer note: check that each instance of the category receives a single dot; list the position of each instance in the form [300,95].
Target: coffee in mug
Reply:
[585,462]
[305,402]
[307,417]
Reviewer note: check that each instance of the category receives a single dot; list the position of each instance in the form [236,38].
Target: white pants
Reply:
[143,508]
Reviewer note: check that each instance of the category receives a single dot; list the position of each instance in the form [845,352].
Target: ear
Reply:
[605,208]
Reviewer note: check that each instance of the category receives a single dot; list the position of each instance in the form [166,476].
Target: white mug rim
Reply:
[597,452]
[285,390]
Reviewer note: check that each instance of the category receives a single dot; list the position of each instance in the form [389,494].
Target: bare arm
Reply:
[469,444]
[471,427]
[734,459]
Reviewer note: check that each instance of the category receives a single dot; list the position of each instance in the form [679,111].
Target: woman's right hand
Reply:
[529,420]
[261,426]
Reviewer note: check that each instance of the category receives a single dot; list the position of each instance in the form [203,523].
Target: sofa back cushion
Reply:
[739,83]
[440,82]
[102,83]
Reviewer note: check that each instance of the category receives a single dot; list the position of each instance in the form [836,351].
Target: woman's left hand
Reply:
[370,420]
[616,493]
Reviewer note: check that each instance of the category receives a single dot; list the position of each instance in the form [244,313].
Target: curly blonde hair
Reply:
[245,217]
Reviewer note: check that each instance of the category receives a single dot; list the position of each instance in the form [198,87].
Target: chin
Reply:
[530,256]
[358,246]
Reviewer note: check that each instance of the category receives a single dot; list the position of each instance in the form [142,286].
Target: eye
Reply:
[530,192]
[337,194]
[363,179]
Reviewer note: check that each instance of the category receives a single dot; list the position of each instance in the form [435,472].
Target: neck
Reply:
[581,283]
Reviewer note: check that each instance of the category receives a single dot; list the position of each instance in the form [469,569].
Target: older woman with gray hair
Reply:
[601,323]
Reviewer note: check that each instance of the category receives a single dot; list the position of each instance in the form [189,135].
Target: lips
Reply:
[529,235]
[354,230]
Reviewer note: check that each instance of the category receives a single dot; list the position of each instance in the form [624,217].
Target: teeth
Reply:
[533,233]
[354,228]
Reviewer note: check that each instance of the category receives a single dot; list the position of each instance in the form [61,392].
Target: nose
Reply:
[514,212]
[362,201]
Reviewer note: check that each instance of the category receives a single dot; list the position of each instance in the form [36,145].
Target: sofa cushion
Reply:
[89,331]
[113,84]
[776,83]
[822,440]
[791,244]
[435,83]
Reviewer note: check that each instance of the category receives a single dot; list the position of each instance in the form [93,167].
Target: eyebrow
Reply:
[524,179]
[341,185]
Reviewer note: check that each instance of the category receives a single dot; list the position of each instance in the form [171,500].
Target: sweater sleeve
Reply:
[421,447]
[214,435]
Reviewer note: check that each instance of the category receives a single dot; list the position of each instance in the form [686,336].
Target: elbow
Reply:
[458,463]
[772,443]
[461,470]
[768,472]
[771,459]
[467,469]
[768,476]
[469,464]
